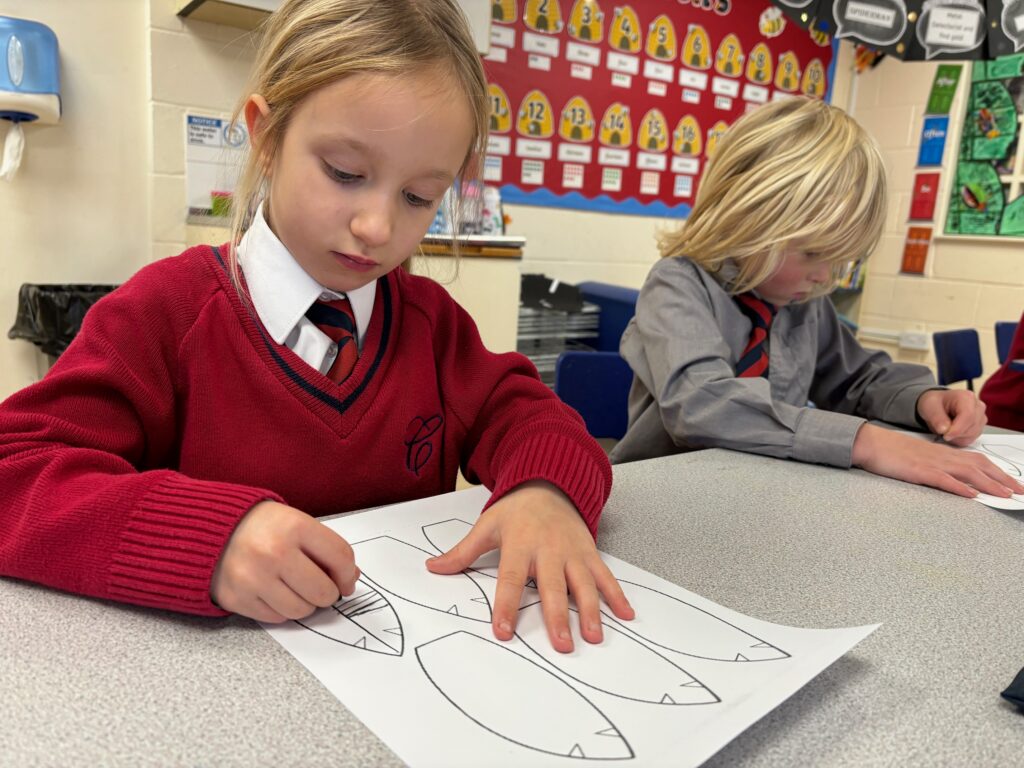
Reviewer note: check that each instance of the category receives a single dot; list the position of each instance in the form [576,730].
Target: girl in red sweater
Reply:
[211,408]
[1003,393]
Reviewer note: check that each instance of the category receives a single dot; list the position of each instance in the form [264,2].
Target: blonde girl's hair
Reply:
[307,44]
[796,173]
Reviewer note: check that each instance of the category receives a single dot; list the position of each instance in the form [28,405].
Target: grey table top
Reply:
[89,683]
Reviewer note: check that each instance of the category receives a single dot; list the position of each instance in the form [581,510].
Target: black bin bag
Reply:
[50,315]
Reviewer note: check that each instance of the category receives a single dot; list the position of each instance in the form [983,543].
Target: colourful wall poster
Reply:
[617,106]
[915,250]
[985,196]
[926,190]
[933,141]
[943,89]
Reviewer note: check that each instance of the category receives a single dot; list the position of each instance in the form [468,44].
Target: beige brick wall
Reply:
[194,67]
[77,209]
[969,282]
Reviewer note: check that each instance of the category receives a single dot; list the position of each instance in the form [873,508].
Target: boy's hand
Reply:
[956,414]
[903,457]
[282,564]
[541,535]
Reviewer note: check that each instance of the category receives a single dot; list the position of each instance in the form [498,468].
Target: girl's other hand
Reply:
[955,414]
[282,564]
[541,535]
[903,457]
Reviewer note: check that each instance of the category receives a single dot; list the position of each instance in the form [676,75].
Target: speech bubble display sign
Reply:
[1012,20]
[950,26]
[873,22]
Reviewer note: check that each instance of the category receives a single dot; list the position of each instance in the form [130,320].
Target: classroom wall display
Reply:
[918,30]
[985,197]
[616,106]
[413,655]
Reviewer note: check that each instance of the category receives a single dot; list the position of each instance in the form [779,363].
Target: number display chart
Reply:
[616,107]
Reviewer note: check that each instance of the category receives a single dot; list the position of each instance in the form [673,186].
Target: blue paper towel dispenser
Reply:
[29,72]
[29,84]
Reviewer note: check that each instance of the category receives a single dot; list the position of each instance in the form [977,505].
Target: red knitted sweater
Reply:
[124,471]
[1003,393]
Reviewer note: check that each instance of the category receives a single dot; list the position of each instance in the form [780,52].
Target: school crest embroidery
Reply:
[419,441]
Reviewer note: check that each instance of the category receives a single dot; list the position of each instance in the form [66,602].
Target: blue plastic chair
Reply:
[957,356]
[1004,339]
[618,305]
[597,385]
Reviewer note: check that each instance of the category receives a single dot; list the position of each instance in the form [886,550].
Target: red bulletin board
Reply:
[616,107]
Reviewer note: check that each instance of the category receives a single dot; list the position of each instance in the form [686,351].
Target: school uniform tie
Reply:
[336,320]
[754,360]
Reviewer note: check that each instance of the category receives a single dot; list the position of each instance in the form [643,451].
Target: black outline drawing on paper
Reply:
[364,620]
[1010,459]
[408,579]
[547,710]
[723,641]
[445,534]
[652,678]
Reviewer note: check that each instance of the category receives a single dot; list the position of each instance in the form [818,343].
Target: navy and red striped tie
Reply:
[336,320]
[754,360]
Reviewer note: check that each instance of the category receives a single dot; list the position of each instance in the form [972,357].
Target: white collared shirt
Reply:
[282,291]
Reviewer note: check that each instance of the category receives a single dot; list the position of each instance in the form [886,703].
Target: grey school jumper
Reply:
[683,345]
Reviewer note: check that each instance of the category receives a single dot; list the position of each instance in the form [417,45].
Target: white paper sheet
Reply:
[1007,453]
[412,655]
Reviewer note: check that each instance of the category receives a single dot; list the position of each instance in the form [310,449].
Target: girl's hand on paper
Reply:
[955,414]
[541,536]
[282,564]
[903,457]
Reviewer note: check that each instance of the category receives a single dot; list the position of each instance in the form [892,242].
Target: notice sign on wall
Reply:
[214,151]
[616,107]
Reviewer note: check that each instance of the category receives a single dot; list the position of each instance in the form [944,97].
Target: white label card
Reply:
[725,87]
[492,168]
[583,54]
[505,36]
[539,62]
[755,93]
[609,156]
[650,161]
[498,145]
[533,172]
[621,62]
[497,53]
[869,13]
[688,165]
[548,46]
[533,148]
[581,71]
[575,153]
[655,70]
[689,79]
